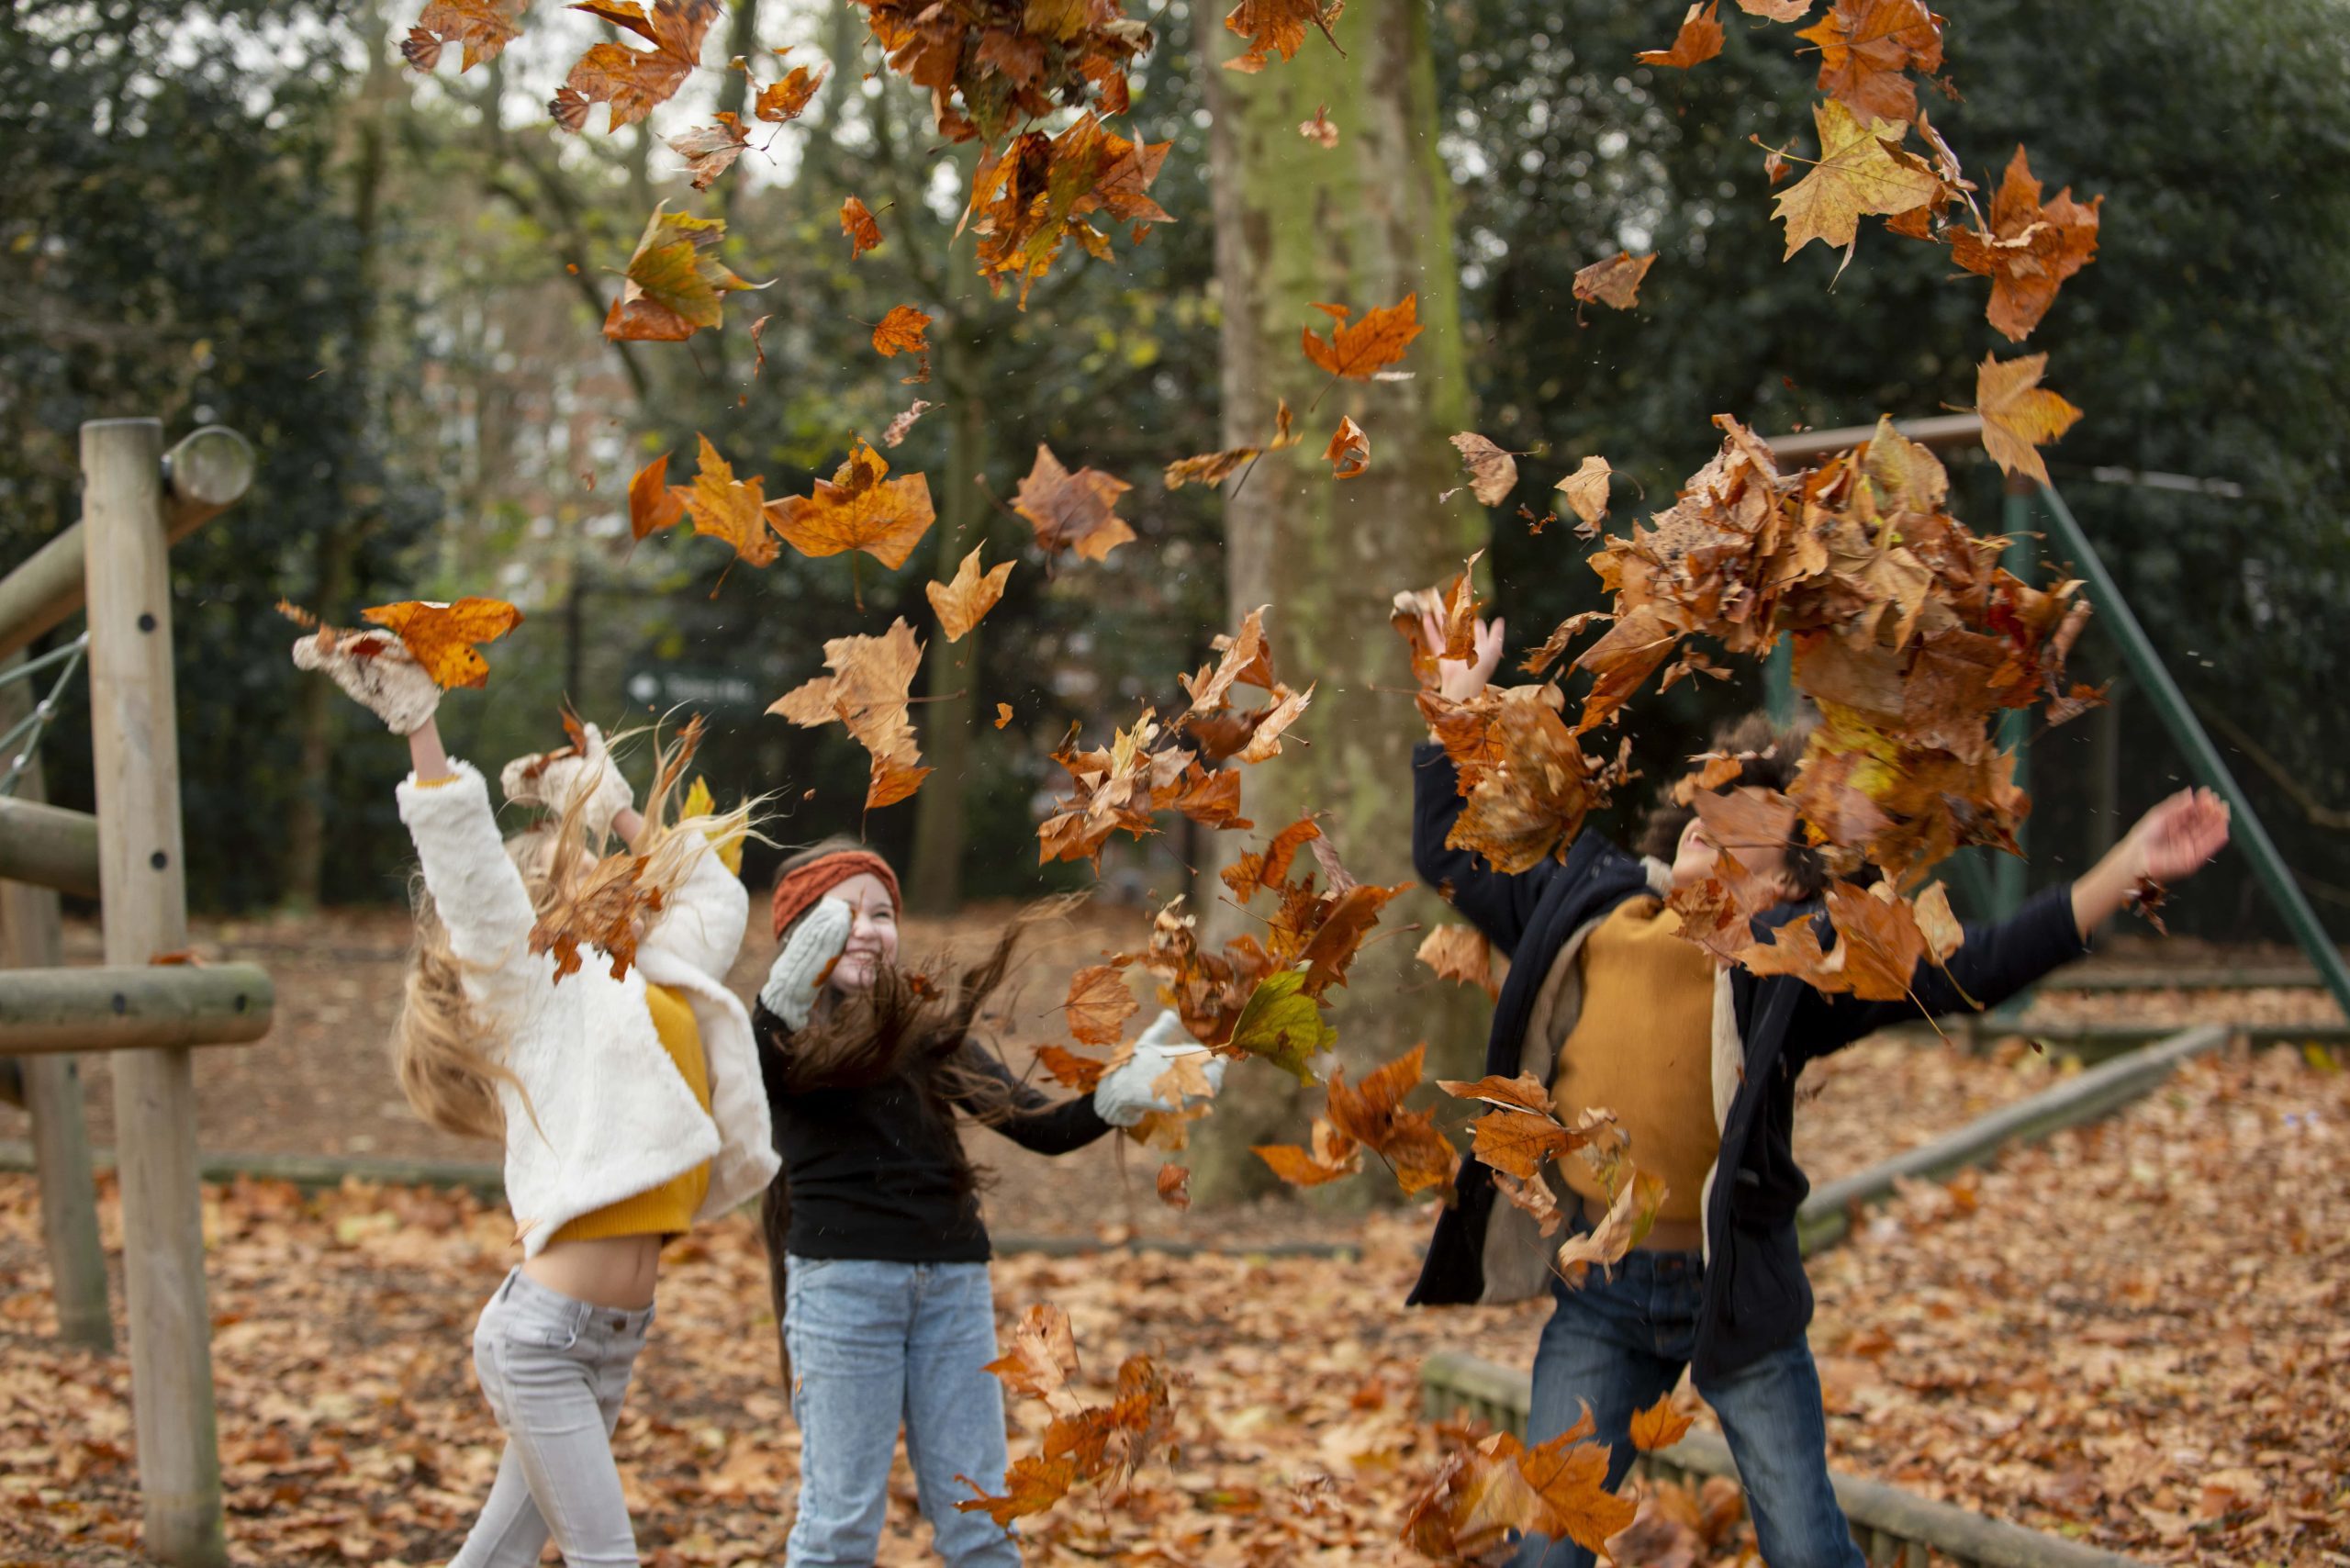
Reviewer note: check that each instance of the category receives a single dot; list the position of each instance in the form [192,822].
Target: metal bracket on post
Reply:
[2147,668]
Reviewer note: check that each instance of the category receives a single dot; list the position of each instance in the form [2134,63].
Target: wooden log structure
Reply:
[201,477]
[48,846]
[143,894]
[31,937]
[126,1008]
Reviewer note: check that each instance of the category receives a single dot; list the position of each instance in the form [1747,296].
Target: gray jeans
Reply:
[555,1371]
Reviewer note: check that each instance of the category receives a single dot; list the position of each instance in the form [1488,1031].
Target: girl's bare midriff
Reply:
[615,1272]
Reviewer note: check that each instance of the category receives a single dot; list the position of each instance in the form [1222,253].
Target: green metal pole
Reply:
[2147,666]
[1779,683]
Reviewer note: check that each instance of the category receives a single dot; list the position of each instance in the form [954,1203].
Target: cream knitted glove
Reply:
[1126,1094]
[821,936]
[555,783]
[378,672]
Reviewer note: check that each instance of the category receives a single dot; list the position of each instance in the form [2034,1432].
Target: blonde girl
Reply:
[629,1105]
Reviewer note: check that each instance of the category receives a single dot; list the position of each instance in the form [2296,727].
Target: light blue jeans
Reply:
[874,1344]
[1621,1344]
[554,1370]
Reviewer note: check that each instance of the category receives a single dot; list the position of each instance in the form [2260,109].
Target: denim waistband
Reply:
[578,1316]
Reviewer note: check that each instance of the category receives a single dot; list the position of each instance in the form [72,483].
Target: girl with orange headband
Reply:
[877,1254]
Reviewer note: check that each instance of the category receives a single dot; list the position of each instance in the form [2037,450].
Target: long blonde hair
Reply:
[448,1056]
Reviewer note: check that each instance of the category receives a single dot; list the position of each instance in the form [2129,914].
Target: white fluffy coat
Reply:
[608,1115]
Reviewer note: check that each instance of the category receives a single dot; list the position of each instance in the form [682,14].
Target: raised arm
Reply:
[1035,1120]
[1999,958]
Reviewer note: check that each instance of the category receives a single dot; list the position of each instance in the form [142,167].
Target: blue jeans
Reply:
[1621,1345]
[873,1344]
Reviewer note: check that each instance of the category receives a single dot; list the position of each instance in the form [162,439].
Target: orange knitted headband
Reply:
[797,891]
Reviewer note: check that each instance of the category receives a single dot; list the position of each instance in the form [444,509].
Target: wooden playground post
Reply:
[69,1210]
[134,735]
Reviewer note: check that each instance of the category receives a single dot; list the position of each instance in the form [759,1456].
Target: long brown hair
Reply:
[1767,755]
[449,1058]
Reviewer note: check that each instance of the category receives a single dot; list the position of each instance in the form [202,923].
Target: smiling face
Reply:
[872,936]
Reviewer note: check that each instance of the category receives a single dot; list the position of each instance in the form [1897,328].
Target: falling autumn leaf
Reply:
[729,509]
[1493,473]
[1030,198]
[902,331]
[1209,468]
[788,99]
[634,81]
[1071,1070]
[1660,1425]
[1699,39]
[1072,511]
[484,26]
[1043,1356]
[1861,169]
[2029,249]
[1775,10]
[1319,129]
[1174,1182]
[443,637]
[676,283]
[1277,27]
[905,421]
[1332,1157]
[601,911]
[712,150]
[1002,715]
[1586,489]
[857,222]
[1348,453]
[2020,416]
[1865,48]
[1284,1024]
[867,693]
[652,504]
[960,604]
[858,509]
[1461,954]
[1615,282]
[1360,349]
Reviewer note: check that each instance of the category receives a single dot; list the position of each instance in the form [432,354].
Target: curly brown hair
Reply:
[1768,755]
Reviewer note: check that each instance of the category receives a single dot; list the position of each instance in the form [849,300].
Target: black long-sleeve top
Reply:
[872,1172]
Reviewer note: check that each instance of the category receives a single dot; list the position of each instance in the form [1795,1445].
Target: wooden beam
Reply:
[143,1008]
[30,937]
[47,847]
[134,735]
[203,477]
[1934,429]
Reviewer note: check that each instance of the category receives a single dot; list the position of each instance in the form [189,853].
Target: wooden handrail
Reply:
[48,846]
[203,477]
[121,1009]
[1933,429]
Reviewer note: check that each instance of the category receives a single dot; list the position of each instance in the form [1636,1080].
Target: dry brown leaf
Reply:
[1348,453]
[960,604]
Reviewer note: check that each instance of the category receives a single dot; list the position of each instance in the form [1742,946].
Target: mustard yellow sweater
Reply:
[669,1209]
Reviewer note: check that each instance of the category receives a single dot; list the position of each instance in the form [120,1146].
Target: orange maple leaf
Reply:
[1277,27]
[960,604]
[653,505]
[729,509]
[1461,954]
[711,150]
[1174,1183]
[1865,48]
[902,331]
[1099,1004]
[441,636]
[1699,39]
[1660,1425]
[858,509]
[634,81]
[1348,453]
[1360,349]
[1071,1070]
[2030,250]
[484,26]
[857,222]
[786,99]
[1373,1114]
[1072,511]
[2019,415]
[601,911]
[867,694]
[1332,1155]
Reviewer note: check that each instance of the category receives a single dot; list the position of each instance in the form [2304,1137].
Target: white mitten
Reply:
[385,677]
[554,782]
[1127,1092]
[820,937]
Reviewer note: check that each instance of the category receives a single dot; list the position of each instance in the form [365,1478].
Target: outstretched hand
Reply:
[378,671]
[1458,681]
[2179,835]
[2176,839]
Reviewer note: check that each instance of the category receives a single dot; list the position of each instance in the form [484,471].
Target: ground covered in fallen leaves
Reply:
[2137,1334]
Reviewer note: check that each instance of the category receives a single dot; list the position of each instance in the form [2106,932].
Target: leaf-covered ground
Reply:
[2137,1334]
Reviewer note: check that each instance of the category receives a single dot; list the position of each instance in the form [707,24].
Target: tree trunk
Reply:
[1362,224]
[951,682]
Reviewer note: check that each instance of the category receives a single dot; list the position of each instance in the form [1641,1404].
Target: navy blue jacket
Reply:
[1756,1298]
